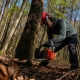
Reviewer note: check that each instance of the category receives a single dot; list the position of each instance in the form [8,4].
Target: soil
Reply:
[53,71]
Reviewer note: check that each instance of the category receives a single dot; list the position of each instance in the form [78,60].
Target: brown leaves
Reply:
[51,72]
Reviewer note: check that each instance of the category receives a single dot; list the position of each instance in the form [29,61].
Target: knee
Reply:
[72,48]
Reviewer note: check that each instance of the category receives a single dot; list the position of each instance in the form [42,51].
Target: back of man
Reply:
[67,35]
[62,28]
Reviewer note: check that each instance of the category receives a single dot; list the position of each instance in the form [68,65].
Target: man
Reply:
[67,35]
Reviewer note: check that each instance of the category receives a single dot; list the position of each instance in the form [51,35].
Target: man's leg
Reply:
[73,53]
[60,45]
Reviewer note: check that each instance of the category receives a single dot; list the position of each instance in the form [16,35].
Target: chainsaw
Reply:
[45,54]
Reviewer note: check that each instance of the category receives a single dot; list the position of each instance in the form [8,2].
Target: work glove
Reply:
[49,44]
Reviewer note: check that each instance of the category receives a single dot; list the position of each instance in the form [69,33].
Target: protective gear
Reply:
[74,67]
[45,16]
[49,44]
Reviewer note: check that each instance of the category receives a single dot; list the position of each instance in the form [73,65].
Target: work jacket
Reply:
[62,28]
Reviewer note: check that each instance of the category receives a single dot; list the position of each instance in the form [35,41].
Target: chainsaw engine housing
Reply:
[44,54]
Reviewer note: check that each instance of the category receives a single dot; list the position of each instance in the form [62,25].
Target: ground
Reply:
[53,71]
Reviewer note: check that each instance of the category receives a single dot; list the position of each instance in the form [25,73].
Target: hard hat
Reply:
[44,14]
[43,17]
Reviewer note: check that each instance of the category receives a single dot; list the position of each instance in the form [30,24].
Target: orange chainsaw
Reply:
[46,53]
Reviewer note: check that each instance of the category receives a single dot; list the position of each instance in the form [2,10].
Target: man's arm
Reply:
[62,31]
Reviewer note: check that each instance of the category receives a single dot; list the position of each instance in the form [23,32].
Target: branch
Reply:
[67,74]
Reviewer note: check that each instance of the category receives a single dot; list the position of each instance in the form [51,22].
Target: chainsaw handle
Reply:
[40,46]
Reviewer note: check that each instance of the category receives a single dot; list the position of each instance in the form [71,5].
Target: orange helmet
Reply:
[44,14]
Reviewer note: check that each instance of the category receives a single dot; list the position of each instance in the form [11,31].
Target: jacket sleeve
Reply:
[62,31]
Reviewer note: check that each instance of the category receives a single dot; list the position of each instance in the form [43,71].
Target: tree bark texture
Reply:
[25,48]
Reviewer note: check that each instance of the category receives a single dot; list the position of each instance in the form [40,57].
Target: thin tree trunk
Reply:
[14,27]
[6,26]
[5,13]
[2,28]
[1,7]
[25,48]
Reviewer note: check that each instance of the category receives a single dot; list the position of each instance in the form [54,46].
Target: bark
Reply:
[25,48]
[5,46]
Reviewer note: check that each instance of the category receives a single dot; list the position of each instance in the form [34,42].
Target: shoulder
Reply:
[61,21]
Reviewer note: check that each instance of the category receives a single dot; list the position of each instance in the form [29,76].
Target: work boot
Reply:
[74,67]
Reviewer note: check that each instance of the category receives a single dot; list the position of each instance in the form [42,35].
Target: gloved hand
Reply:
[48,44]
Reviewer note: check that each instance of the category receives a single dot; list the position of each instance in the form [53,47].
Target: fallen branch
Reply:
[6,59]
[67,74]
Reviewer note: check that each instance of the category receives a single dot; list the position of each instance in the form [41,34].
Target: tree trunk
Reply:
[3,19]
[5,13]
[6,26]
[5,45]
[25,48]
[1,8]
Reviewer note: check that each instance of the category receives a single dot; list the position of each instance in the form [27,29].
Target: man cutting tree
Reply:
[67,35]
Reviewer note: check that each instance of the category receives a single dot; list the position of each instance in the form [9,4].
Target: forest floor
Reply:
[53,71]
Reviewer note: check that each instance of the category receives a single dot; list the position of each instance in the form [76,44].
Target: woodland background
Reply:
[15,13]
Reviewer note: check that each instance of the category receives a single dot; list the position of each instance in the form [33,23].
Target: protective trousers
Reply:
[72,43]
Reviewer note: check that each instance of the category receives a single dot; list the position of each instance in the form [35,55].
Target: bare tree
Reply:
[1,7]
[7,41]
[2,28]
[5,12]
[7,23]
